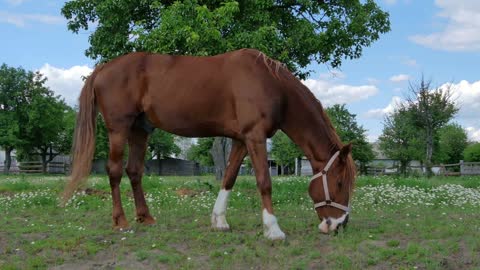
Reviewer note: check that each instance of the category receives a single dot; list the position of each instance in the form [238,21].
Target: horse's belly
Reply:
[191,124]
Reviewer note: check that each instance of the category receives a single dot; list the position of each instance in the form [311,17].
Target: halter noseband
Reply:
[323,174]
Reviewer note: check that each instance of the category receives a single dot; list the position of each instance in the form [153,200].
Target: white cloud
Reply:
[381,112]
[330,92]
[473,134]
[467,96]
[461,30]
[66,82]
[399,78]
[390,2]
[21,20]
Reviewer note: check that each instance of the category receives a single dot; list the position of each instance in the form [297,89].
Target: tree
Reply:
[162,144]
[400,139]
[431,110]
[472,153]
[294,32]
[220,153]
[13,82]
[451,144]
[284,151]
[43,131]
[349,131]
[200,152]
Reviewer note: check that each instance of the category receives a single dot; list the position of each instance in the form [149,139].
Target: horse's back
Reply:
[190,96]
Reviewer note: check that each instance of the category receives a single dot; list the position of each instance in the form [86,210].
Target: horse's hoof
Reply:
[121,228]
[120,224]
[275,235]
[219,223]
[148,220]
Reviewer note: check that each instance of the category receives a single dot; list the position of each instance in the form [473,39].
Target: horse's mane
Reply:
[280,71]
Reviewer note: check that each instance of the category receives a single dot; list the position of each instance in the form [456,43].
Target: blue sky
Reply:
[437,38]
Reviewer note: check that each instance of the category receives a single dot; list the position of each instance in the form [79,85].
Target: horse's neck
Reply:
[310,129]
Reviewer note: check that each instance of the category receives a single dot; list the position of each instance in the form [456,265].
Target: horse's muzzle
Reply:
[333,224]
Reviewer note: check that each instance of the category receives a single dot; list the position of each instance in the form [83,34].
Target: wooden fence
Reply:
[36,167]
[456,169]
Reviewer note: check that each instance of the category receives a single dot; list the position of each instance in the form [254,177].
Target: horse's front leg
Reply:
[258,153]
[238,153]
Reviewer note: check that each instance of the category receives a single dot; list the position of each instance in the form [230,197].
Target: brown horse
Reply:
[242,94]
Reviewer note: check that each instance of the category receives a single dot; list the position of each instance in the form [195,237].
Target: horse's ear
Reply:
[346,149]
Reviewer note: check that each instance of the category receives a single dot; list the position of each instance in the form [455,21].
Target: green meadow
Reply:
[396,223]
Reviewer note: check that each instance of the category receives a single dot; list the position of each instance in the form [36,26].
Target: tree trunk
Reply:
[429,152]
[8,159]
[220,152]
[43,155]
[403,167]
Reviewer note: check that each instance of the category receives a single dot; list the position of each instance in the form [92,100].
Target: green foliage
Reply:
[161,144]
[431,110]
[349,131]
[13,81]
[43,123]
[400,139]
[200,152]
[33,120]
[451,144]
[472,153]
[284,151]
[290,31]
[101,139]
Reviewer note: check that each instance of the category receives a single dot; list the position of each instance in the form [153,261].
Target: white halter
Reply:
[323,174]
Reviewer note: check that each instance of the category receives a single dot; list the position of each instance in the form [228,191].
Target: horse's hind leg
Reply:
[238,153]
[115,171]
[137,145]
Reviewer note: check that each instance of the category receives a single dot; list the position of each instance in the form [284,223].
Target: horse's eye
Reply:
[339,184]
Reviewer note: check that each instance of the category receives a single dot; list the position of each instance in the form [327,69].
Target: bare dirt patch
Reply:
[109,259]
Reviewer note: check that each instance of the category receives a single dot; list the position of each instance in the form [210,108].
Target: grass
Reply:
[396,223]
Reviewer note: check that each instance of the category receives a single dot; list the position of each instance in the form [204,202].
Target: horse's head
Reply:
[331,190]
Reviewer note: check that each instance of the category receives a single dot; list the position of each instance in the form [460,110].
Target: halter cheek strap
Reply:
[323,174]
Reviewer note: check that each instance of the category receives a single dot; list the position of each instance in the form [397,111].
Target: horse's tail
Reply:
[83,139]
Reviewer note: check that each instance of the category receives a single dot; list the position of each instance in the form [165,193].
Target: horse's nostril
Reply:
[329,222]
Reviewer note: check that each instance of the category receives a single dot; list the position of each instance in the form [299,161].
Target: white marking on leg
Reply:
[271,229]
[219,220]
[325,228]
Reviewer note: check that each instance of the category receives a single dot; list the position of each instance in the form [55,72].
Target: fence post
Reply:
[462,168]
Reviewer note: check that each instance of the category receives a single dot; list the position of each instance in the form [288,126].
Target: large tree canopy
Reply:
[294,32]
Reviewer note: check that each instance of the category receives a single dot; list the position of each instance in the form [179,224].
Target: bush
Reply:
[472,153]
